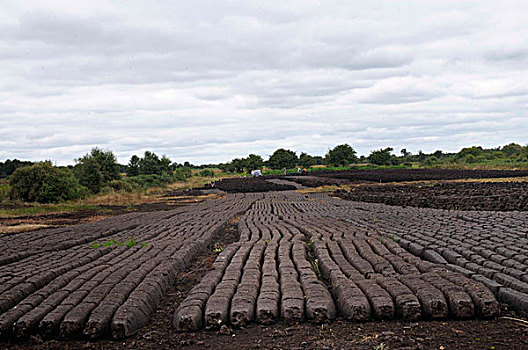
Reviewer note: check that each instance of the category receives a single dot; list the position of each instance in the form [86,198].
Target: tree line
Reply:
[345,155]
[98,171]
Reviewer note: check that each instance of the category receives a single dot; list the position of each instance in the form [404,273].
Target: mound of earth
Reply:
[401,175]
[499,196]
[250,184]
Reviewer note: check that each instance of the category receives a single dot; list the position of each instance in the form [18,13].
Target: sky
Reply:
[208,81]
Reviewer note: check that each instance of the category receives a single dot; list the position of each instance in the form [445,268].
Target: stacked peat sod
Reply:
[488,247]
[60,284]
[287,239]
[399,175]
[494,196]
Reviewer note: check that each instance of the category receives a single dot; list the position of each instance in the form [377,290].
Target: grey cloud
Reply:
[207,82]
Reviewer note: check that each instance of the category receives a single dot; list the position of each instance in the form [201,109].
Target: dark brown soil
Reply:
[399,175]
[250,184]
[500,333]
[501,196]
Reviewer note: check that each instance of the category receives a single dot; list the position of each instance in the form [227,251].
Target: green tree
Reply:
[253,162]
[149,164]
[473,151]
[512,150]
[341,155]
[88,173]
[165,165]
[282,158]
[238,165]
[133,166]
[306,160]
[97,169]
[405,153]
[44,183]
[381,156]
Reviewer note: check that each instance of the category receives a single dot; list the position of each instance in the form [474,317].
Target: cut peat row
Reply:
[299,257]
[488,247]
[306,261]
[106,278]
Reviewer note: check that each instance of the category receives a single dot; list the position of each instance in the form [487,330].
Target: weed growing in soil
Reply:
[129,243]
[315,266]
[219,247]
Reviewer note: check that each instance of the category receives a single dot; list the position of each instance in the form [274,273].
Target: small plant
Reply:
[315,266]
[309,244]
[131,242]
[111,243]
[219,248]
[380,346]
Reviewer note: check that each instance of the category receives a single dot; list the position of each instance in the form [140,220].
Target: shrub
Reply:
[148,181]
[206,173]
[182,174]
[44,183]
[4,192]
[120,185]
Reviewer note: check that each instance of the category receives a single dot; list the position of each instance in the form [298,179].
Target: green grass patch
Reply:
[43,209]
[129,243]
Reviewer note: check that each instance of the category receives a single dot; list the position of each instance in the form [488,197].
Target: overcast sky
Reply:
[207,81]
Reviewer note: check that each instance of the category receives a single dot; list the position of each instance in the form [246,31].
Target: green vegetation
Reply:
[383,157]
[283,158]
[8,167]
[129,243]
[5,190]
[98,173]
[44,209]
[97,169]
[248,164]
[150,164]
[44,183]
[341,155]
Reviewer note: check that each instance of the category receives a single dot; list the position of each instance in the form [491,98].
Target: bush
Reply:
[182,174]
[206,173]
[148,181]
[120,185]
[4,192]
[44,183]
[97,169]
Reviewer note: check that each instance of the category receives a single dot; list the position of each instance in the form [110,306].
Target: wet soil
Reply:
[250,184]
[497,196]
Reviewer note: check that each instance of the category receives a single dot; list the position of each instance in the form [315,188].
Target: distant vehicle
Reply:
[256,173]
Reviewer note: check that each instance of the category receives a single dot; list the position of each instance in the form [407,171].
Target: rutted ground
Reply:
[496,196]
[299,257]
[269,276]
[81,282]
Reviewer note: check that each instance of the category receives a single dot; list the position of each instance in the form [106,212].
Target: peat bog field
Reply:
[278,268]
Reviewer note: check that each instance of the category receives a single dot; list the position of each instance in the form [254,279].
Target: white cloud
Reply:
[210,81]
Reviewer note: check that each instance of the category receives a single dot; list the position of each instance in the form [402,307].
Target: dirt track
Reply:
[299,257]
